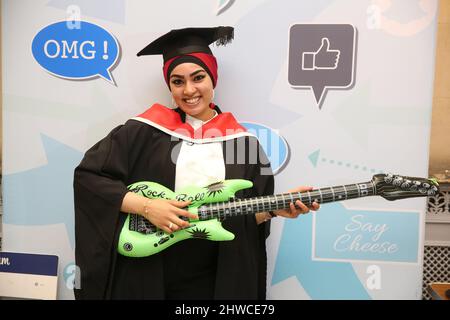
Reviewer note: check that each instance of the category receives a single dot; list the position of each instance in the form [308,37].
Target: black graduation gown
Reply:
[137,151]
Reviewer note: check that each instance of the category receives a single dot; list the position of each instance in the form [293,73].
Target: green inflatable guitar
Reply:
[213,203]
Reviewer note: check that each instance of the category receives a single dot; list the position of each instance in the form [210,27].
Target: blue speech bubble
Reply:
[80,52]
[273,144]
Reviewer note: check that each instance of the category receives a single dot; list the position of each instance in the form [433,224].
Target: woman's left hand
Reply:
[293,212]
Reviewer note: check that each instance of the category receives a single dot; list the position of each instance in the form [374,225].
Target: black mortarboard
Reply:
[188,40]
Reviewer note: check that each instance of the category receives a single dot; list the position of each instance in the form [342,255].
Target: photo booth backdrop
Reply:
[337,91]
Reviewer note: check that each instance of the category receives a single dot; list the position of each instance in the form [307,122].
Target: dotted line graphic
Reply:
[350,165]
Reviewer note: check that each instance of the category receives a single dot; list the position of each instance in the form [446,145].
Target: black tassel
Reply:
[224,35]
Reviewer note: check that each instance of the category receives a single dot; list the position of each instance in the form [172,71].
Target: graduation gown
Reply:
[143,149]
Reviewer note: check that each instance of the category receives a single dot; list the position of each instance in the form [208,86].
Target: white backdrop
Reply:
[378,121]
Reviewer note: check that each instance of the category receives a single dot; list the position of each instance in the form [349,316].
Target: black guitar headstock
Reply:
[394,187]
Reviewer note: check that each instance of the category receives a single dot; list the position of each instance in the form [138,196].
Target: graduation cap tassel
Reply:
[224,35]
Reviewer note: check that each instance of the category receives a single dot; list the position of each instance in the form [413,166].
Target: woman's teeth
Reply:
[192,101]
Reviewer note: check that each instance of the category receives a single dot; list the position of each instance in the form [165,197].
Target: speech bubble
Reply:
[273,144]
[321,56]
[82,52]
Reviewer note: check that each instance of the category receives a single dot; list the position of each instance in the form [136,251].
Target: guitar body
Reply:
[138,238]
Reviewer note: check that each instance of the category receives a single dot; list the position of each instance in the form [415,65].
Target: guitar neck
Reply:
[240,207]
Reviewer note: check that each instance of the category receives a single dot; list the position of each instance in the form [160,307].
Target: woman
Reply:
[194,144]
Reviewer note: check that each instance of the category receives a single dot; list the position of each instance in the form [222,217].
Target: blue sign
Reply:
[28,263]
[76,51]
[344,234]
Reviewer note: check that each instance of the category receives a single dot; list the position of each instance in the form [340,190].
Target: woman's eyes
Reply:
[177,82]
[197,78]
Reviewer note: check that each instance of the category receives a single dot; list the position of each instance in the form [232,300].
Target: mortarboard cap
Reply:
[188,40]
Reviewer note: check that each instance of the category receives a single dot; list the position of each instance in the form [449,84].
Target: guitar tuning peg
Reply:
[397,181]
[415,185]
[426,185]
[432,191]
[435,190]
[406,184]
[388,178]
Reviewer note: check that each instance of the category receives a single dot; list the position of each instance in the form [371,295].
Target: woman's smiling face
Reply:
[192,90]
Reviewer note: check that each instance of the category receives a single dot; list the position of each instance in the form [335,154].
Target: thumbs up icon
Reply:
[323,58]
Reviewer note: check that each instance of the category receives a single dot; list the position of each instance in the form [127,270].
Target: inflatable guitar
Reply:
[140,238]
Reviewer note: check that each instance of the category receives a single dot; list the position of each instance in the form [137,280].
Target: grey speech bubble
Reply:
[321,56]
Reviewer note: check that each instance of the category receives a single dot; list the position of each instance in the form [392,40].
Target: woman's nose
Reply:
[189,88]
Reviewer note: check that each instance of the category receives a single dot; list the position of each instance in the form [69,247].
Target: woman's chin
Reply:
[193,110]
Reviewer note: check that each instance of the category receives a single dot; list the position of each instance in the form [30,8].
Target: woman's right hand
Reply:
[165,214]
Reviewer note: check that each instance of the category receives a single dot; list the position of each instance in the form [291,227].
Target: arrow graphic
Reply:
[43,195]
[315,159]
[321,280]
